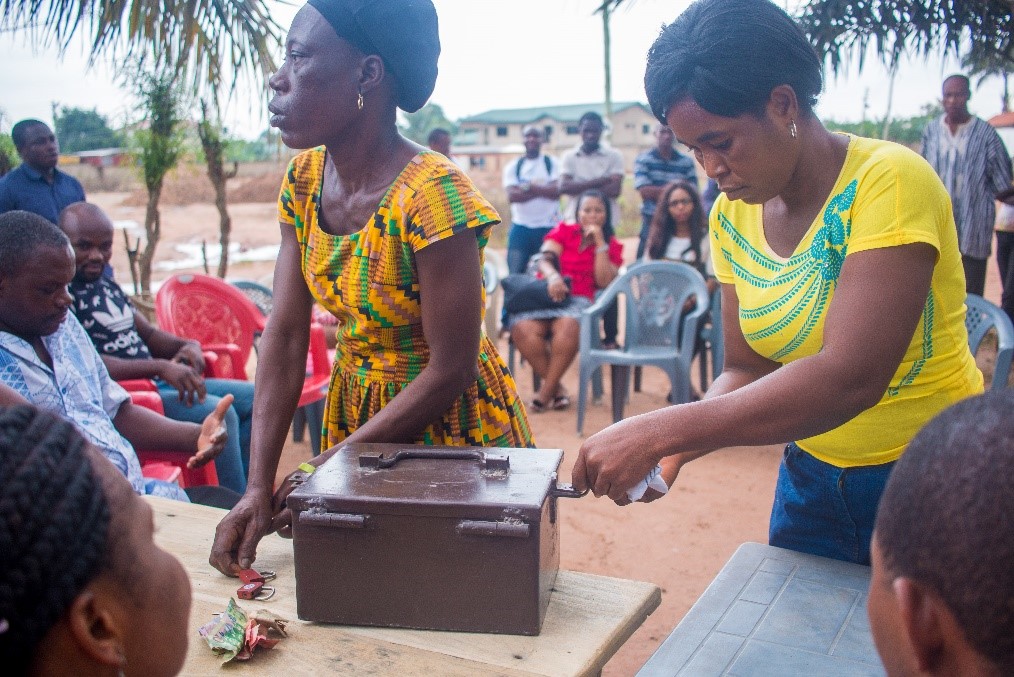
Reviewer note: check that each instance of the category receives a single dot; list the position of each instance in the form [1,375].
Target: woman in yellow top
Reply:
[388,237]
[842,287]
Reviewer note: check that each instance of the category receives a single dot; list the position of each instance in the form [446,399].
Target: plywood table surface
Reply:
[588,619]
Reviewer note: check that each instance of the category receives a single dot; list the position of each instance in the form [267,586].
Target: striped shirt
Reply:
[974,166]
[651,169]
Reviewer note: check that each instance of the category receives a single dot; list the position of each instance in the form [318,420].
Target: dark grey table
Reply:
[772,611]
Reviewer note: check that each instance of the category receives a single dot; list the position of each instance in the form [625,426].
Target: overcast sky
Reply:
[496,54]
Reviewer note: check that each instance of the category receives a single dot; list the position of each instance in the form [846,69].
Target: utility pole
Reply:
[608,63]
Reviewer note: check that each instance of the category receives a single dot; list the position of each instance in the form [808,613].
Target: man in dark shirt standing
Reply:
[655,168]
[36,185]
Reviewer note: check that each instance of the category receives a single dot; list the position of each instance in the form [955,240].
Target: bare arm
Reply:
[571,186]
[283,345]
[530,191]
[10,397]
[812,395]
[145,429]
[650,193]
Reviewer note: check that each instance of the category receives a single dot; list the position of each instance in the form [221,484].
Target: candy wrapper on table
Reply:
[233,635]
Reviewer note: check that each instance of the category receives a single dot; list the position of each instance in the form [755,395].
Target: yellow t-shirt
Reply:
[885,196]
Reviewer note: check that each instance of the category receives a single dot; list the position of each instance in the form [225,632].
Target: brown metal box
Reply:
[441,538]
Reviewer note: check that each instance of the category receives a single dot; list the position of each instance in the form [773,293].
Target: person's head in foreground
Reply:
[349,65]
[941,596]
[36,265]
[84,590]
[736,81]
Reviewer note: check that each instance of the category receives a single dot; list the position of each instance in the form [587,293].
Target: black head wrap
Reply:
[402,32]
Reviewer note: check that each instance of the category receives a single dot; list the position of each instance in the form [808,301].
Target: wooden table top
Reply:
[588,619]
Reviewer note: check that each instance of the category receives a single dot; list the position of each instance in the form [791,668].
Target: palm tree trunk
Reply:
[153,232]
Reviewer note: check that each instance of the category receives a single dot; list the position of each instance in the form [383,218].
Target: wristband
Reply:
[602,249]
[307,468]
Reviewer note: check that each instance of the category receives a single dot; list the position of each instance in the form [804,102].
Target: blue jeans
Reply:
[232,463]
[522,243]
[825,510]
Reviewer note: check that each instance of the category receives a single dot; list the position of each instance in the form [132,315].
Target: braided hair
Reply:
[54,524]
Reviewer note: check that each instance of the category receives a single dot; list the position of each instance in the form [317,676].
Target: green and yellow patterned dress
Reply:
[368,280]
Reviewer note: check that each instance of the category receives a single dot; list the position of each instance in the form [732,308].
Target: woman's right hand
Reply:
[557,288]
[239,532]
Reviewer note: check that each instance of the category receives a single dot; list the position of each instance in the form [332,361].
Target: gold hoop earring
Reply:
[792,128]
[359,102]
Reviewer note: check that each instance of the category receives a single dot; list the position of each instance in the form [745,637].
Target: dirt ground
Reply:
[678,543]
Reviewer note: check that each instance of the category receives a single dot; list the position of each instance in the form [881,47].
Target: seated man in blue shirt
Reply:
[47,359]
[133,348]
[36,185]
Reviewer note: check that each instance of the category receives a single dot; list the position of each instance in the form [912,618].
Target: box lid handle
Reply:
[488,460]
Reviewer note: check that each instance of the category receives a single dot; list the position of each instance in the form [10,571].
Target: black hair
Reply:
[663,226]
[23,233]
[727,56]
[54,525]
[439,131]
[591,116]
[607,227]
[944,519]
[20,130]
[963,78]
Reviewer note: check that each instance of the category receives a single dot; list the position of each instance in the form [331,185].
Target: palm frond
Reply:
[206,43]
[842,29]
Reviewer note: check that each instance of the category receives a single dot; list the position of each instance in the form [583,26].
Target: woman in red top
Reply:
[590,256]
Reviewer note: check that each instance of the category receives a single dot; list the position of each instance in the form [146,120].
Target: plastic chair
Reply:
[980,317]
[491,281]
[656,330]
[712,340]
[153,463]
[218,314]
[215,314]
[260,295]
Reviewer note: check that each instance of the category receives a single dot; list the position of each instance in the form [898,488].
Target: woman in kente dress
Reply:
[387,236]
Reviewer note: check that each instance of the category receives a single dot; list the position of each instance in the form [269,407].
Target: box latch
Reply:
[334,520]
[495,529]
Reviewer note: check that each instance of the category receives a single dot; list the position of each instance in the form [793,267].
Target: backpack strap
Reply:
[517,167]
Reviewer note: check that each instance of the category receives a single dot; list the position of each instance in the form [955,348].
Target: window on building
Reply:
[548,131]
[501,131]
[477,162]
[572,129]
[646,129]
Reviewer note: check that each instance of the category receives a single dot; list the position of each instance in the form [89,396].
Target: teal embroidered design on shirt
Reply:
[927,319]
[812,273]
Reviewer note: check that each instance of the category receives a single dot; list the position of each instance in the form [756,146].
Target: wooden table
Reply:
[588,619]
[772,611]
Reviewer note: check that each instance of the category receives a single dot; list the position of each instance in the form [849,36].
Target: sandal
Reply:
[537,405]
[561,402]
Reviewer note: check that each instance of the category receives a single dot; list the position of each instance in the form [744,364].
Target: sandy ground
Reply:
[678,543]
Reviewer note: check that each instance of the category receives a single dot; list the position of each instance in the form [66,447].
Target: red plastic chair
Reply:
[221,317]
[153,463]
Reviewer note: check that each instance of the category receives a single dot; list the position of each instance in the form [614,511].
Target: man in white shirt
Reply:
[533,190]
[592,166]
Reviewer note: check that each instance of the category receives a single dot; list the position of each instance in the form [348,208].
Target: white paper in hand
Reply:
[653,479]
